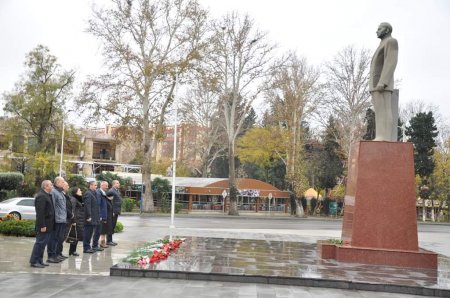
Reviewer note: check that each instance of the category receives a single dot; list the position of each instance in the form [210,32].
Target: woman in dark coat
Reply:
[76,198]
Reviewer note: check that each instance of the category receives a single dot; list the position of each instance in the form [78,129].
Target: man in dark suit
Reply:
[92,217]
[381,85]
[114,191]
[45,220]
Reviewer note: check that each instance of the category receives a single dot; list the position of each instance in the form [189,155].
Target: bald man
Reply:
[45,218]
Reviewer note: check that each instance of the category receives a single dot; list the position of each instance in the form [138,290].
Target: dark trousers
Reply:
[97,231]
[73,247]
[37,254]
[114,222]
[88,231]
[55,245]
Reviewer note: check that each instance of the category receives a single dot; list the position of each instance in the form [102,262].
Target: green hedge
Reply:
[128,204]
[119,227]
[10,180]
[14,227]
[26,227]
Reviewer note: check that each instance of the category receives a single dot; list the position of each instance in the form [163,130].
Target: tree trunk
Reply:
[433,215]
[147,196]
[232,181]
[299,208]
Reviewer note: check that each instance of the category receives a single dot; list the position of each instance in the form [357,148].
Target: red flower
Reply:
[164,252]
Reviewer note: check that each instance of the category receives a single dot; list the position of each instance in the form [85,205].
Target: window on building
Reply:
[70,148]
[32,145]
[103,151]
[4,144]
[18,143]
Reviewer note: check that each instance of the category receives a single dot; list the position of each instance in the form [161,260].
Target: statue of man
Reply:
[381,85]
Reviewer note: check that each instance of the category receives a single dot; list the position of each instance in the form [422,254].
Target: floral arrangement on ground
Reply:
[153,252]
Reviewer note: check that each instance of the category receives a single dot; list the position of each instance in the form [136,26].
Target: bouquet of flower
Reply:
[153,252]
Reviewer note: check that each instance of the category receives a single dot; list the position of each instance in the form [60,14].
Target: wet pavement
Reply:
[285,262]
[247,242]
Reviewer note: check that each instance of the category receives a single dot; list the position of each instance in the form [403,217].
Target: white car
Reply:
[20,208]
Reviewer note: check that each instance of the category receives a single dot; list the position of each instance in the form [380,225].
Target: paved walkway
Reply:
[88,275]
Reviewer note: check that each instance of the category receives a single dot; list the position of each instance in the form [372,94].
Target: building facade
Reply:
[101,149]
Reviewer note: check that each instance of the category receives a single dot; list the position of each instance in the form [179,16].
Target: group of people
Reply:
[63,212]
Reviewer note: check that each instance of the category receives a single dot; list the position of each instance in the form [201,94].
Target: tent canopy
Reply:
[311,193]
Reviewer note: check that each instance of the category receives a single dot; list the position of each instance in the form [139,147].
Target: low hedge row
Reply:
[10,180]
[13,227]
[119,227]
[128,204]
[26,227]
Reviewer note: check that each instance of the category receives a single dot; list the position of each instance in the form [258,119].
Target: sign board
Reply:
[270,196]
[332,207]
[249,192]
[224,194]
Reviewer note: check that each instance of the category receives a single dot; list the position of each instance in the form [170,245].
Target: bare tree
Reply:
[200,107]
[145,44]
[294,93]
[348,95]
[239,58]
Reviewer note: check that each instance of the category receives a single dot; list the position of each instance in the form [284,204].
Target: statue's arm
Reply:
[390,62]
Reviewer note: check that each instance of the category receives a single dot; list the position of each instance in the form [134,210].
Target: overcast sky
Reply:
[315,29]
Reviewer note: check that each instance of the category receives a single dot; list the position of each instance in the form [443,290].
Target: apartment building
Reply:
[100,149]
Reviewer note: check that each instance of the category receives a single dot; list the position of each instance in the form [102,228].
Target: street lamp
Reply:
[62,149]
[174,162]
[270,199]
[62,143]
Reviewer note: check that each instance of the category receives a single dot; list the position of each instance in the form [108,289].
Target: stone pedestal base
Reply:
[413,259]
[380,224]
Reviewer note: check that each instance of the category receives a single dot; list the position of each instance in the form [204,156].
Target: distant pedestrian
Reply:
[91,217]
[56,243]
[117,208]
[45,218]
[76,198]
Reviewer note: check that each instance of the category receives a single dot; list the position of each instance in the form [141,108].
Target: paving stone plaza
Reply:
[224,257]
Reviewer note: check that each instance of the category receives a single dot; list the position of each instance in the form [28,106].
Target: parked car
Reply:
[20,208]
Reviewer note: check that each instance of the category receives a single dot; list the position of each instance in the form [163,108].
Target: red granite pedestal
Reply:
[380,224]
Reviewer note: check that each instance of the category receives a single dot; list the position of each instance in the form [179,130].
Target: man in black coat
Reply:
[92,217]
[114,191]
[45,220]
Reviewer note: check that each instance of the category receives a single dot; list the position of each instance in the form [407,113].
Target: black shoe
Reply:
[97,249]
[89,251]
[45,264]
[59,258]
[53,260]
[111,243]
[37,265]
[75,254]
[63,256]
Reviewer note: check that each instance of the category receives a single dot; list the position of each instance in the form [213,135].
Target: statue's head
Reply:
[384,29]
